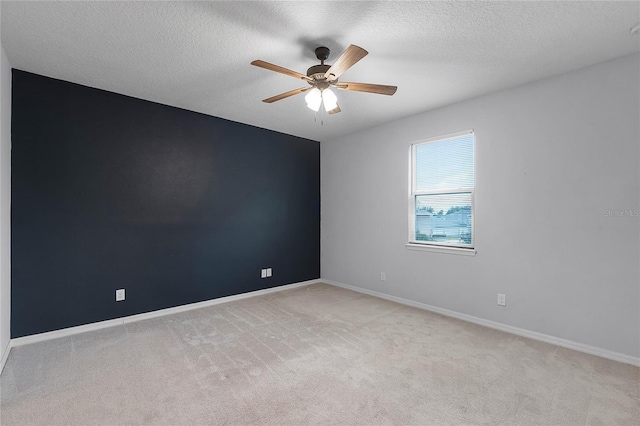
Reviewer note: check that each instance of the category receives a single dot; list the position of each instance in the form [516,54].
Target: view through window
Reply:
[442,191]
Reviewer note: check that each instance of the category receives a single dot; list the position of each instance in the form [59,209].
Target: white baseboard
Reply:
[580,347]
[592,350]
[34,338]
[5,355]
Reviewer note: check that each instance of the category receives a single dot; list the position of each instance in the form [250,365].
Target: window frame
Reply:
[451,248]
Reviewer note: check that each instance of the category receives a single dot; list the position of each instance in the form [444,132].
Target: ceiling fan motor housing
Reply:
[317,71]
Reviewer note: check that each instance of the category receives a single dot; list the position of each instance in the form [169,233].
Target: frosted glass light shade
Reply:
[330,100]
[314,99]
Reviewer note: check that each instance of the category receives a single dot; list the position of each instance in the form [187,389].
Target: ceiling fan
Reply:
[321,78]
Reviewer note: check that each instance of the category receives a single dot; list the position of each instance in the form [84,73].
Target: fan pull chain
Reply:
[315,116]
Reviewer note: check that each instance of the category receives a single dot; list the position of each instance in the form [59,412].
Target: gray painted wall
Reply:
[5,201]
[564,146]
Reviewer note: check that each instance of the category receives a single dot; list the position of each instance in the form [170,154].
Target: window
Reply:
[441,197]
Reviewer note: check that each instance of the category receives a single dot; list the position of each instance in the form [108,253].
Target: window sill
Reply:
[442,249]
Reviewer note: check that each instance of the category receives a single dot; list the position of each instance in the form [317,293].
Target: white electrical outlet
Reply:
[269,272]
[263,273]
[383,276]
[502,299]
[120,295]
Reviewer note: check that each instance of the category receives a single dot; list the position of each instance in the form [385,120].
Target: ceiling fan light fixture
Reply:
[329,99]
[321,77]
[314,99]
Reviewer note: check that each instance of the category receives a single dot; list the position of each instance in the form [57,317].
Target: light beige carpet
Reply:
[313,355]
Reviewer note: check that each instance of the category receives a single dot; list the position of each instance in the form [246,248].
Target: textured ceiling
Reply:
[196,55]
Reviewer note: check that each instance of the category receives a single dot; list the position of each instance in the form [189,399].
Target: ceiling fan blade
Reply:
[380,89]
[335,110]
[348,59]
[286,94]
[281,70]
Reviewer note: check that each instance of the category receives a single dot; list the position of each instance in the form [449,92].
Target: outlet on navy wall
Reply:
[112,192]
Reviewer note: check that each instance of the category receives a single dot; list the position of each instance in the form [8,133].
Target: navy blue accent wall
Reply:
[177,207]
